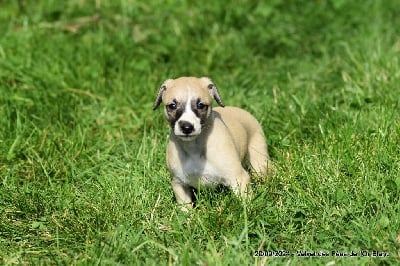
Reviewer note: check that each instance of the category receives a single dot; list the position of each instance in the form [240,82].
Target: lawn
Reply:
[82,153]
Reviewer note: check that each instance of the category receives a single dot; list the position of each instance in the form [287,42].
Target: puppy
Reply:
[209,146]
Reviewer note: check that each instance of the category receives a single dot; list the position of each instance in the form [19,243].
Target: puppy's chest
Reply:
[197,170]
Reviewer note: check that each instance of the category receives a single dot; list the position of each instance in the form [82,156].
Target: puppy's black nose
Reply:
[186,127]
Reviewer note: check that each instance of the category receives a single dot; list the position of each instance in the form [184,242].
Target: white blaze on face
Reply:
[188,116]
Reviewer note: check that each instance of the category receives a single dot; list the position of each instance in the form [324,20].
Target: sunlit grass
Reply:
[82,154]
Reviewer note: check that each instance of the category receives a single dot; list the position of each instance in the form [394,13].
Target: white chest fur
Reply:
[196,170]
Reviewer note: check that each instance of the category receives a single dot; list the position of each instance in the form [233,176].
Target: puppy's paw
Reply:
[186,207]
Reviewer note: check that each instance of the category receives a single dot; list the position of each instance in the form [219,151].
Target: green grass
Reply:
[82,154]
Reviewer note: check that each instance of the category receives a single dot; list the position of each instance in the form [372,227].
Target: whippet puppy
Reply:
[209,146]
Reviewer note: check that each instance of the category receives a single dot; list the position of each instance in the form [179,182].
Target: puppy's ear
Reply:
[212,89]
[159,96]
[160,93]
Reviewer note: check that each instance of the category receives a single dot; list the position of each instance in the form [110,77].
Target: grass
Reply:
[82,164]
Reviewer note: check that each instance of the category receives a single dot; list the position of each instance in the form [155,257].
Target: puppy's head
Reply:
[187,104]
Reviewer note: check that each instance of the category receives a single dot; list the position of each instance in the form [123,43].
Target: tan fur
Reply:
[230,138]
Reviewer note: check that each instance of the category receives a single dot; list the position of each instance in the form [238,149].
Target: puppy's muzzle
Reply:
[186,127]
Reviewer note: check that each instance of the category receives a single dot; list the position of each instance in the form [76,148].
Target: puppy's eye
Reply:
[201,105]
[172,106]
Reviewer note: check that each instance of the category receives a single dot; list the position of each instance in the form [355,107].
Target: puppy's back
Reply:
[241,126]
[232,116]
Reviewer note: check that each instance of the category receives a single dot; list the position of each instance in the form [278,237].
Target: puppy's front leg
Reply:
[183,194]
